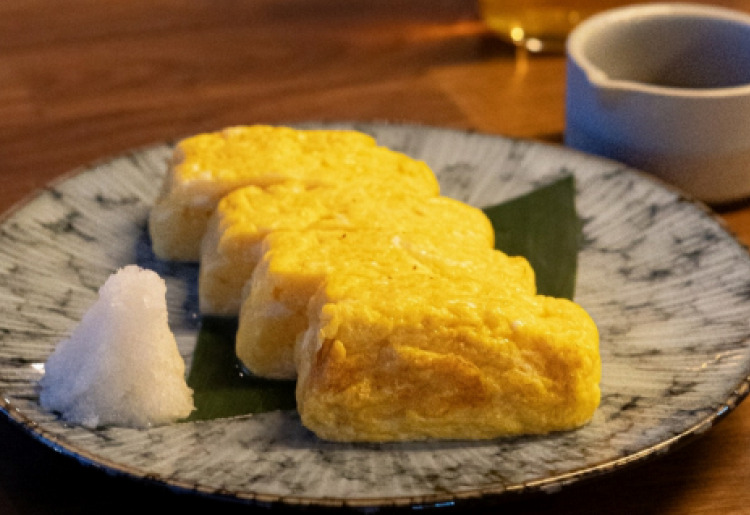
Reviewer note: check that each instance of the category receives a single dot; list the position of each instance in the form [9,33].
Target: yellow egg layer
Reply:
[415,356]
[231,246]
[206,167]
[295,264]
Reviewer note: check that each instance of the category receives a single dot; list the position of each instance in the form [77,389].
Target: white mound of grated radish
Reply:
[121,365]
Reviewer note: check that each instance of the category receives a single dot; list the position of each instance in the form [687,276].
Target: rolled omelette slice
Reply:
[417,357]
[231,247]
[206,167]
[295,264]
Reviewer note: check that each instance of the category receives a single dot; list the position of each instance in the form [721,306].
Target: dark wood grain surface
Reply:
[81,80]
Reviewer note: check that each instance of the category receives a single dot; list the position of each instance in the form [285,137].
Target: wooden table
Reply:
[81,80]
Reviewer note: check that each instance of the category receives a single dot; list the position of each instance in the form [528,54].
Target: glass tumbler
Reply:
[539,25]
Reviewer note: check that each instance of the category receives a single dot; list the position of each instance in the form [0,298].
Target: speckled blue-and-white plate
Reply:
[667,285]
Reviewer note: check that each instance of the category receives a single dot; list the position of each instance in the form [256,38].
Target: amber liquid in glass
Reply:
[537,26]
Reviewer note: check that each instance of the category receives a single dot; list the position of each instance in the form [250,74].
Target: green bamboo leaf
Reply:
[542,226]
[220,386]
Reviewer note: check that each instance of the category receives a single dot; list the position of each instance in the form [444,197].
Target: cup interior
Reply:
[673,50]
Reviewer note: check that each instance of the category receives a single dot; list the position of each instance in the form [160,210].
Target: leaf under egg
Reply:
[221,388]
[544,227]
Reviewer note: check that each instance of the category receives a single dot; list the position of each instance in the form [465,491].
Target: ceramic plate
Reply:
[667,285]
